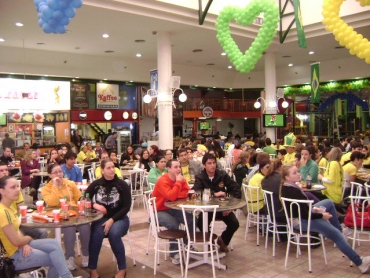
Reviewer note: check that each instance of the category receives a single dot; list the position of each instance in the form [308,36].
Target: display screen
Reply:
[274,120]
[204,125]
[3,119]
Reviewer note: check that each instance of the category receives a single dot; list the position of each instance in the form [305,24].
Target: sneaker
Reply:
[85,261]
[71,263]
[175,259]
[347,231]
[223,246]
[364,267]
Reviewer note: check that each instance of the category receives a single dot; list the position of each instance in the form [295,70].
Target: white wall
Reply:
[146,126]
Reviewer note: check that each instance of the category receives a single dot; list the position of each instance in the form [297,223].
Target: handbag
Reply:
[359,215]
[7,268]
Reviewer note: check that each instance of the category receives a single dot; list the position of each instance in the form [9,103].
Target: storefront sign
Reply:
[34,94]
[46,118]
[107,96]
[79,95]
[207,112]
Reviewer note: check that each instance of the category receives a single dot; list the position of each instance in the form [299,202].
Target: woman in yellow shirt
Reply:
[256,180]
[25,251]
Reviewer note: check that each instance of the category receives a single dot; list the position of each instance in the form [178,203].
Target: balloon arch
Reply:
[351,98]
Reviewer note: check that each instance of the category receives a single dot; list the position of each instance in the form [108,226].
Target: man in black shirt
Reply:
[7,159]
[220,184]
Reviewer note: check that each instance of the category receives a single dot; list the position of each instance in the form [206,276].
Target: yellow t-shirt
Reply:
[350,169]
[8,216]
[366,161]
[116,170]
[185,172]
[289,158]
[256,180]
[345,158]
[334,172]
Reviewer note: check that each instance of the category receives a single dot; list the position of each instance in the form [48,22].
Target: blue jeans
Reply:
[70,239]
[171,219]
[115,234]
[46,252]
[332,230]
[35,233]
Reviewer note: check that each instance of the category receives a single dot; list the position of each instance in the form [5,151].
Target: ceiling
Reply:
[82,51]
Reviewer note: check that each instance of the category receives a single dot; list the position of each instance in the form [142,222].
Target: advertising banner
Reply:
[107,96]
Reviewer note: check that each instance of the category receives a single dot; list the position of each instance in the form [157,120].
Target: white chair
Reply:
[136,178]
[82,167]
[91,174]
[201,242]
[164,237]
[254,195]
[272,225]
[295,235]
[147,196]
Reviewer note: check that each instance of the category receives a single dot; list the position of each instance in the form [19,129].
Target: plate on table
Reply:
[318,186]
[71,213]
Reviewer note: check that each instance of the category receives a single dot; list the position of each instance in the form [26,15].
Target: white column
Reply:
[270,90]
[164,107]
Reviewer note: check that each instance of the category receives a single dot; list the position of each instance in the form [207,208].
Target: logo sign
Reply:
[207,112]
[107,96]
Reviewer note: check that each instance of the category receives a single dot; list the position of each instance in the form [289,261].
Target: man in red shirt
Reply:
[170,187]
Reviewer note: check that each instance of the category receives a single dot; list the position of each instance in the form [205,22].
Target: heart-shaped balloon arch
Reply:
[55,15]
[245,16]
[344,34]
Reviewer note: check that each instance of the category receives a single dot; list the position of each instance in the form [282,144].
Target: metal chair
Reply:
[201,242]
[91,174]
[82,167]
[164,237]
[295,235]
[136,178]
[272,225]
[253,195]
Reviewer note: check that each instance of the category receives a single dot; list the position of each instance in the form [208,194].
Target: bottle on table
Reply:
[309,181]
[81,205]
[88,205]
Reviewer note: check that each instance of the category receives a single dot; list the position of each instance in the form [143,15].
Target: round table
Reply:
[322,187]
[224,205]
[72,221]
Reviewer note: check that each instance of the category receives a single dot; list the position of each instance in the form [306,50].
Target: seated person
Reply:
[54,157]
[7,158]
[26,252]
[256,180]
[104,156]
[20,155]
[144,161]
[128,156]
[218,181]
[70,170]
[58,188]
[159,170]
[170,187]
[113,157]
[350,169]
[30,165]
[86,154]
[188,167]
[240,169]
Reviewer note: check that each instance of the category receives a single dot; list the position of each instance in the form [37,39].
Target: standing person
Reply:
[29,166]
[308,166]
[35,233]
[128,156]
[20,155]
[58,188]
[220,183]
[77,139]
[111,143]
[188,167]
[169,187]
[113,198]
[159,170]
[8,142]
[325,223]
[289,144]
[70,170]
[98,149]
[25,251]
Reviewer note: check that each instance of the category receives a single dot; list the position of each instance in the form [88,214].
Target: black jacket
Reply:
[220,182]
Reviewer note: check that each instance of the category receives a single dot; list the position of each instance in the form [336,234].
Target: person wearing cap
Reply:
[289,144]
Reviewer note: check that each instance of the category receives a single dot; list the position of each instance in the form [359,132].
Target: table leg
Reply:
[58,235]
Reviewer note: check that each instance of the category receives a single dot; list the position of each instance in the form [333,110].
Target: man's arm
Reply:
[232,187]
[168,192]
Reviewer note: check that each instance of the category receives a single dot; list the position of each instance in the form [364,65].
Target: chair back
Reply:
[82,167]
[136,178]
[91,174]
[290,207]
[253,197]
[269,201]
[152,207]
[204,236]
[357,189]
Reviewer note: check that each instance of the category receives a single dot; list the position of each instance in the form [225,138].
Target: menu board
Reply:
[79,95]
[47,118]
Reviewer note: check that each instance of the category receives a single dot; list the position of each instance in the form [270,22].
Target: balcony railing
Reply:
[231,105]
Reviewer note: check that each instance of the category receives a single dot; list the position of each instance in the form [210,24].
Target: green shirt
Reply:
[155,174]
[269,150]
[310,168]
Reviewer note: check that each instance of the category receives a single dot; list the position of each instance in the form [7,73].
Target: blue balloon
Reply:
[47,12]
[65,20]
[41,22]
[76,3]
[53,4]
[37,3]
[52,22]
[58,15]
[70,12]
[47,29]
[61,29]
[63,4]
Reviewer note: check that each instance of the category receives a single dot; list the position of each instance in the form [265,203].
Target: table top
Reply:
[127,167]
[42,174]
[313,188]
[228,204]
[73,221]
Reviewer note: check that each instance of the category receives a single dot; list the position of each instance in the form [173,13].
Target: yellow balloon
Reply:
[352,51]
[367,60]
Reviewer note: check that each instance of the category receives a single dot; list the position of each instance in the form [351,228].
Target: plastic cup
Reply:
[198,196]
[56,214]
[23,210]
[322,209]
[191,195]
[84,181]
[40,206]
[61,202]
[65,207]
[81,208]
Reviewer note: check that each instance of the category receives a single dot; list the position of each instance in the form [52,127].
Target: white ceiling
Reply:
[82,51]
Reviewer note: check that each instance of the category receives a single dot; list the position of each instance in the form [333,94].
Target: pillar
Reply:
[164,98]
[270,90]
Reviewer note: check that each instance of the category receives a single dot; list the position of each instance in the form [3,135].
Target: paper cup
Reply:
[84,181]
[65,207]
[40,206]
[61,202]
[56,214]
[23,210]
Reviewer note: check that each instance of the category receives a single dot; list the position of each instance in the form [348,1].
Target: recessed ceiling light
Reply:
[290,65]
[196,85]
[311,52]
[197,50]
[2,40]
[138,55]
[139,41]
[12,73]
[77,77]
[73,80]
[104,79]
[77,48]
[19,24]
[108,51]
[46,75]
[131,80]
[40,43]
[230,67]
[286,56]
[214,87]
[358,77]
[105,36]
[223,53]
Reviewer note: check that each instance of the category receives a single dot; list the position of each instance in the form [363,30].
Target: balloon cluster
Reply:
[246,62]
[344,34]
[55,15]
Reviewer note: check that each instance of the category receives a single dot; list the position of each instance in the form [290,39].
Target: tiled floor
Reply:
[247,259]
